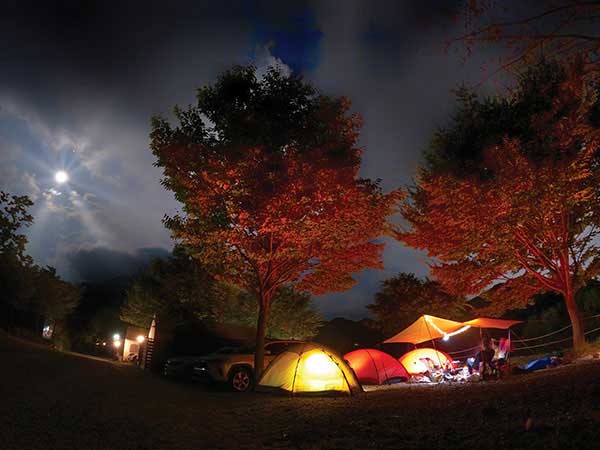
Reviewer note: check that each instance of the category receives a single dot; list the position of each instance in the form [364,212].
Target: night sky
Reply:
[80,81]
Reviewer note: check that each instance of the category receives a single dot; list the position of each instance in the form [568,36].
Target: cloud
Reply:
[390,61]
[80,82]
[263,60]
[31,186]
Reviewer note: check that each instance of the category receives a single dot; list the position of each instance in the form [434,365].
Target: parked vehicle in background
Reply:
[235,366]
[180,367]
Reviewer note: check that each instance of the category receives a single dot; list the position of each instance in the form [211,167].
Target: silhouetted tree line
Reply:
[179,290]
[30,295]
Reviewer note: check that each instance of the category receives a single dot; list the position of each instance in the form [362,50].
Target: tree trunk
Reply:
[261,330]
[576,320]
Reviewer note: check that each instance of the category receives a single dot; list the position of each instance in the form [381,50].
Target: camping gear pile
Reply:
[545,362]
[427,365]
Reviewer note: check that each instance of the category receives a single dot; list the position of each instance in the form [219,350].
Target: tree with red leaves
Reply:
[528,31]
[508,214]
[267,171]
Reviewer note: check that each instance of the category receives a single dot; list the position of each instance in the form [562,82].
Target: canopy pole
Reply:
[508,351]
[433,342]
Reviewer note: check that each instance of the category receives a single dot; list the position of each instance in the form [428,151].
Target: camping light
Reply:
[446,335]
[117,344]
[116,336]
[140,339]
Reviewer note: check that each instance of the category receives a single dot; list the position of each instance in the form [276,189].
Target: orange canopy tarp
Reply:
[486,322]
[426,328]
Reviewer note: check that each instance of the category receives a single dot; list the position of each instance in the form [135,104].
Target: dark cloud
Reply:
[100,264]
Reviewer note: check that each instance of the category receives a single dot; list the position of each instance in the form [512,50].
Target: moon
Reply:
[61,177]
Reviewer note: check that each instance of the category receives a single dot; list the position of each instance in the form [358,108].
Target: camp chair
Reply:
[503,360]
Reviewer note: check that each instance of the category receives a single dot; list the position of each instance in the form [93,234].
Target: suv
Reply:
[235,366]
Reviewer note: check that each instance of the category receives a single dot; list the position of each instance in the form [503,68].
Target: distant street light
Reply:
[117,344]
[116,337]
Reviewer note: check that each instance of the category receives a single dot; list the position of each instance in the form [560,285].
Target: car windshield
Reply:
[228,350]
[271,347]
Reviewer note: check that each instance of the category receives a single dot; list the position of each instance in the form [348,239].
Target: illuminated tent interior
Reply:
[375,367]
[416,361]
[309,369]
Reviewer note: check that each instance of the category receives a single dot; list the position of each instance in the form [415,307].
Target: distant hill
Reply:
[101,264]
[344,335]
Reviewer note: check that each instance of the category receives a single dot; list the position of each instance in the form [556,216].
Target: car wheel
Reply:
[240,379]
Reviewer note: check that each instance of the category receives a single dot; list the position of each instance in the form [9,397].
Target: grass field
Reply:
[52,400]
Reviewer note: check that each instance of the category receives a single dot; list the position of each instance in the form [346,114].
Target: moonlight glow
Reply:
[61,177]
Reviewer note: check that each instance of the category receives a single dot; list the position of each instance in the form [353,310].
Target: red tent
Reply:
[374,367]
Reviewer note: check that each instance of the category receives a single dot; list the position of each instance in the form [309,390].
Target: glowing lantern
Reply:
[140,339]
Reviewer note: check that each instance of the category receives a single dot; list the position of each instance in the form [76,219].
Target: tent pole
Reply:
[296,369]
[376,369]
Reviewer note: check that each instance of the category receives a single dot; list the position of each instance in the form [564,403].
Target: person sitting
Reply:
[486,357]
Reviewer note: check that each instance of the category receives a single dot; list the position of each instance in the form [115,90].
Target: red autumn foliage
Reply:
[524,32]
[531,224]
[270,215]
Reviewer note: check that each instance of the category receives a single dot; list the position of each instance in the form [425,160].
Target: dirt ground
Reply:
[51,400]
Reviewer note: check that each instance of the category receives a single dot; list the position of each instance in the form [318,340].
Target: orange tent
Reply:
[427,328]
[486,322]
[374,367]
[419,360]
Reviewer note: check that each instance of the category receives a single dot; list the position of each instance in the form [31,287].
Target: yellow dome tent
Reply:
[309,369]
